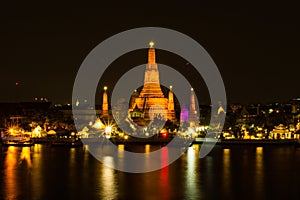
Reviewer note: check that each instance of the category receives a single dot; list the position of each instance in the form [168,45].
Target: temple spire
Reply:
[104,103]
[151,80]
[192,102]
[151,102]
[151,53]
[193,114]
[171,100]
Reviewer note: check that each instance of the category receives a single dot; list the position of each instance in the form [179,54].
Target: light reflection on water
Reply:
[192,176]
[44,172]
[25,155]
[164,174]
[10,176]
[108,180]
[226,177]
[259,173]
[147,148]
[36,171]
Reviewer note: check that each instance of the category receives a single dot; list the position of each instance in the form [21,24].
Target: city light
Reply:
[108,129]
[151,44]
[166,128]
[98,124]
[36,131]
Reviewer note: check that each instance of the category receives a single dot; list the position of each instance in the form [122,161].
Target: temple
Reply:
[151,102]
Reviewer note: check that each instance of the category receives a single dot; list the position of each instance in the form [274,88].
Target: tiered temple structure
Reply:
[151,102]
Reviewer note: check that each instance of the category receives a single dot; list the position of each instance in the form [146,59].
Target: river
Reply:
[237,172]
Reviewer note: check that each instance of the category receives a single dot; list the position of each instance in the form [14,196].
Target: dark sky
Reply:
[255,46]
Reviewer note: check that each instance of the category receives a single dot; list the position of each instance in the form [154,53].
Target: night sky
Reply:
[255,46]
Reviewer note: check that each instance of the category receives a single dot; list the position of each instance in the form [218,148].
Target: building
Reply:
[151,103]
[281,132]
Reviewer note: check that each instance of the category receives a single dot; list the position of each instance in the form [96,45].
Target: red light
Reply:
[17,83]
[165,134]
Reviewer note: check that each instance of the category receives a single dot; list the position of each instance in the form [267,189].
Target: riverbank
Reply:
[247,141]
[77,142]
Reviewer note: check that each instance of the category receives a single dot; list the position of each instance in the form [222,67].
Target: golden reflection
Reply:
[86,147]
[11,186]
[37,171]
[259,167]
[191,171]
[147,161]
[85,156]
[226,170]
[121,151]
[121,147]
[25,155]
[259,150]
[196,148]
[72,157]
[72,163]
[108,179]
[37,148]
[147,148]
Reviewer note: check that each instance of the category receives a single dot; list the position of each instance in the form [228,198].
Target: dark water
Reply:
[43,172]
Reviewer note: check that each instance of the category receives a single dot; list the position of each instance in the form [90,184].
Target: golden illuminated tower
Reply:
[151,102]
[171,100]
[151,86]
[171,110]
[105,104]
[193,115]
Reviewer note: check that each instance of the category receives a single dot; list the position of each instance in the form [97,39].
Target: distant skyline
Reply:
[256,47]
